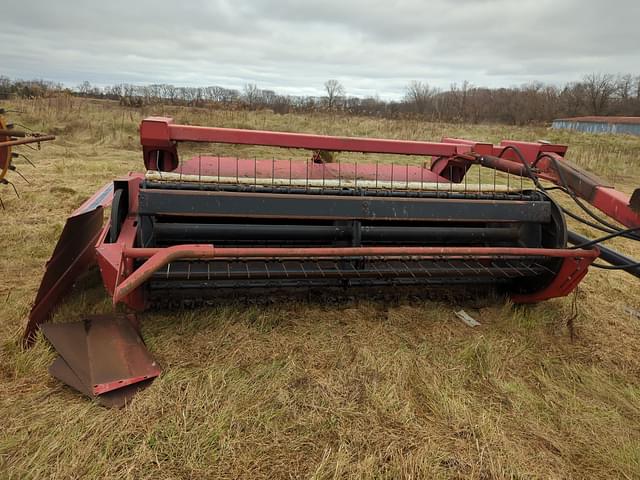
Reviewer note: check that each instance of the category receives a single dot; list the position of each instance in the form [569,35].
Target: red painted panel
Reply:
[158,258]
[300,169]
[161,132]
[616,205]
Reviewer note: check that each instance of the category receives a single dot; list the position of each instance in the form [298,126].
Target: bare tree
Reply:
[268,97]
[599,88]
[597,93]
[169,92]
[251,94]
[456,107]
[624,85]
[84,88]
[229,95]
[334,90]
[420,96]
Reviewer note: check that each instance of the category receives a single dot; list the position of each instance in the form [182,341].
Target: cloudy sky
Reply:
[371,46]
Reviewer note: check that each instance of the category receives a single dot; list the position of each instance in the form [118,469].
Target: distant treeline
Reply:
[595,94]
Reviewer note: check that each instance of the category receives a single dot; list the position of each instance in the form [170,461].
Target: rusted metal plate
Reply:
[114,399]
[62,371]
[69,340]
[74,253]
[117,354]
[105,352]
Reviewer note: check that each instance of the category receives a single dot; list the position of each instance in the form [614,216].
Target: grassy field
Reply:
[355,390]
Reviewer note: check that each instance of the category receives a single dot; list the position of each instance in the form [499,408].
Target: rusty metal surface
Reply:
[27,140]
[61,370]
[70,343]
[73,254]
[105,352]
[161,257]
[10,132]
[117,354]
[10,138]
[114,399]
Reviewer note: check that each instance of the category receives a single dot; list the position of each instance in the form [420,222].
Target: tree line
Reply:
[535,102]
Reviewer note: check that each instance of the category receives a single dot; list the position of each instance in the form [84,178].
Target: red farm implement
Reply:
[10,138]
[476,215]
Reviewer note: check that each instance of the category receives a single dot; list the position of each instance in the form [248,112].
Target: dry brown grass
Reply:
[362,389]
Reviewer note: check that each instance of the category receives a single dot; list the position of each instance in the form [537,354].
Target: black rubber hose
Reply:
[616,259]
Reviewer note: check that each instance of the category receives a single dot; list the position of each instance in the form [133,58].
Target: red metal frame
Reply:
[572,271]
[160,133]
[26,141]
[161,257]
[450,160]
[125,282]
[544,158]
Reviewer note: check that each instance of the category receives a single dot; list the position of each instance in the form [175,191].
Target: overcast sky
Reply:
[371,46]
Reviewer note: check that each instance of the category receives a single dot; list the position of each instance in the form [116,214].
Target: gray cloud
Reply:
[372,46]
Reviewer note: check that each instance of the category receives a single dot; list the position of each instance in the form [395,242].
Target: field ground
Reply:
[361,389]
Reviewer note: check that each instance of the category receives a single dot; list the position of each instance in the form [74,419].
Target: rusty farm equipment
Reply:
[102,356]
[10,138]
[477,216]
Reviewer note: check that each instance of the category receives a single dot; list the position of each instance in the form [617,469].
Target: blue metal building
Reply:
[628,125]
